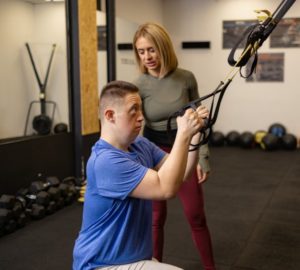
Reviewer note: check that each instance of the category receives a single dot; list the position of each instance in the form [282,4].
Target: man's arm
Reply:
[165,182]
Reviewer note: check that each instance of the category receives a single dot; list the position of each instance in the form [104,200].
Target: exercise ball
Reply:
[232,138]
[217,138]
[270,142]
[277,129]
[289,142]
[246,140]
[60,128]
[259,135]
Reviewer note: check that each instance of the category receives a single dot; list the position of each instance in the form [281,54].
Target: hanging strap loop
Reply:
[255,36]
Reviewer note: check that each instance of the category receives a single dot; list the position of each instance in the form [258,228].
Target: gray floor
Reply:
[253,210]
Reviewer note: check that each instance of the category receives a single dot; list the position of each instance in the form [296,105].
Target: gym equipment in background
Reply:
[270,142]
[42,123]
[289,142]
[247,140]
[81,194]
[254,37]
[32,209]
[12,216]
[277,129]
[232,138]
[44,196]
[60,128]
[258,135]
[217,138]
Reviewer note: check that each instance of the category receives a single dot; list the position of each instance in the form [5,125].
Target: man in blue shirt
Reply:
[124,173]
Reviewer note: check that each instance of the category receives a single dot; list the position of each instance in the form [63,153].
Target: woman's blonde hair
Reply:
[158,35]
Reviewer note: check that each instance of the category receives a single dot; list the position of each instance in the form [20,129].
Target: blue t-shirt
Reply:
[116,228]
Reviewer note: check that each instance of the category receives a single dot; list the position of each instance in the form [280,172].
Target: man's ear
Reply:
[109,115]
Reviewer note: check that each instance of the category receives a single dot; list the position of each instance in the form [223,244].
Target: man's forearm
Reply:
[172,171]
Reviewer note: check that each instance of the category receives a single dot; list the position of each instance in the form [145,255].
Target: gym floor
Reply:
[252,205]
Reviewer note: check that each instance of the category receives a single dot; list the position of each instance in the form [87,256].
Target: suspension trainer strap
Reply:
[255,36]
[213,113]
[246,52]
[207,130]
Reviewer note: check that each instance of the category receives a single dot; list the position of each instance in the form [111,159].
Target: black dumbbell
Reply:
[7,222]
[12,215]
[45,184]
[42,198]
[8,214]
[74,186]
[7,201]
[49,185]
[5,215]
[33,210]
[69,190]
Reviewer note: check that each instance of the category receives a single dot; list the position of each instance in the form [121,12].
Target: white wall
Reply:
[13,97]
[101,55]
[40,26]
[140,11]
[246,106]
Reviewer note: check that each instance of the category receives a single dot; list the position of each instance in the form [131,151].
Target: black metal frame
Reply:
[111,40]
[74,83]
[74,73]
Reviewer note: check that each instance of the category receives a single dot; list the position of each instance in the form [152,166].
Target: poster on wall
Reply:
[286,34]
[270,68]
[233,31]
[101,31]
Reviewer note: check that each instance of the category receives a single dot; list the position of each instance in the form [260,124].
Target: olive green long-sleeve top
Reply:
[163,96]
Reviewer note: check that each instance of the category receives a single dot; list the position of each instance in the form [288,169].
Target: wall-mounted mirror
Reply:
[33,68]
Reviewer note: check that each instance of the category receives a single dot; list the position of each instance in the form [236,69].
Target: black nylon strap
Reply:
[213,113]
[256,34]
[247,54]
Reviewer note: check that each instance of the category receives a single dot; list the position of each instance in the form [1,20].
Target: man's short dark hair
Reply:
[114,91]
[118,89]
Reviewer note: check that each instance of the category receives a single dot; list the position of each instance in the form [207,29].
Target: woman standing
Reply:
[165,89]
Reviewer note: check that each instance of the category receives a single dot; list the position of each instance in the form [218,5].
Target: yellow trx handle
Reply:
[262,18]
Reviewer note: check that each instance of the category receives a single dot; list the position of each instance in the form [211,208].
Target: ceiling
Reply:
[37,1]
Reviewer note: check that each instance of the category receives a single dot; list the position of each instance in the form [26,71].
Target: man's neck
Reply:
[112,140]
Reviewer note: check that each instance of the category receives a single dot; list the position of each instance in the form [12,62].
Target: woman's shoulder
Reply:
[140,79]
[184,72]
[184,75]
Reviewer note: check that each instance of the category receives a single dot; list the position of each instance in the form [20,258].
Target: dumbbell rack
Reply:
[43,197]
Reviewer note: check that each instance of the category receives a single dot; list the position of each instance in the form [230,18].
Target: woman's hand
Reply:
[202,176]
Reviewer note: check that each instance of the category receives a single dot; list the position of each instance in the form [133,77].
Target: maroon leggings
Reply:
[191,197]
